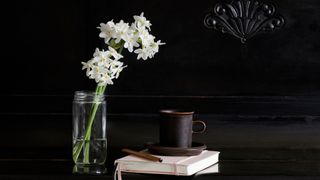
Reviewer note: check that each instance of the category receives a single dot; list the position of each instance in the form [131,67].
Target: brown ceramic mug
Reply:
[176,128]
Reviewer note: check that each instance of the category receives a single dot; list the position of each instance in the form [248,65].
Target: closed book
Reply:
[210,170]
[170,165]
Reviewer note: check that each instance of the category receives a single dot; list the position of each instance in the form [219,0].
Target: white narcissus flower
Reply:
[104,66]
[142,53]
[107,31]
[154,46]
[146,37]
[121,30]
[141,22]
[87,66]
[114,53]
[116,67]
[130,42]
[149,47]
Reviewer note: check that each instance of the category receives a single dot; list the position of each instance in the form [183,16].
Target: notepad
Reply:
[171,165]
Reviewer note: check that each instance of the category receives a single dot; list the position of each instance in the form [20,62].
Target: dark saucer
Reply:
[196,149]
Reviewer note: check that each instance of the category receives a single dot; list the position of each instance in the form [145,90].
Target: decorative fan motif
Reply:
[244,18]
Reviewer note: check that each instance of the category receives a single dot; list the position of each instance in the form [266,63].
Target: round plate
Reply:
[196,149]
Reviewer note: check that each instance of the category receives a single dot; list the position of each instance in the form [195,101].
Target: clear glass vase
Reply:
[89,129]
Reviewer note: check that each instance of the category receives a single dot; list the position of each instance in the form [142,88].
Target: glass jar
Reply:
[89,128]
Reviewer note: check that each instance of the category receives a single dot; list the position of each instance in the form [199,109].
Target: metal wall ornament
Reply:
[244,18]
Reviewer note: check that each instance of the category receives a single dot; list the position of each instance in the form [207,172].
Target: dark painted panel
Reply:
[43,44]
[230,105]
[195,61]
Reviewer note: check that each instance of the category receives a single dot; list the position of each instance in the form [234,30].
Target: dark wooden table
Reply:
[64,169]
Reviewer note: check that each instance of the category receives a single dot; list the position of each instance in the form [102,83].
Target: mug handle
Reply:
[204,126]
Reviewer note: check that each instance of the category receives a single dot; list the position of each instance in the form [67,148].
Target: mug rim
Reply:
[177,111]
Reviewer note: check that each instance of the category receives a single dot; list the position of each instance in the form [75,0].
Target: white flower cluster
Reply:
[105,65]
[132,36]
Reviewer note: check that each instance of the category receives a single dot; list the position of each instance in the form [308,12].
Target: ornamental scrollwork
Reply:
[244,18]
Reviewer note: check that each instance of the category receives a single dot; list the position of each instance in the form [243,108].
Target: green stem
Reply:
[120,49]
[88,136]
[88,133]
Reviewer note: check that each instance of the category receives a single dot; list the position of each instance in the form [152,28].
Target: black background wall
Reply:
[267,100]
